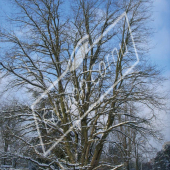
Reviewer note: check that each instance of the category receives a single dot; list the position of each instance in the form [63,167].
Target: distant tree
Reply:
[147,166]
[10,127]
[162,159]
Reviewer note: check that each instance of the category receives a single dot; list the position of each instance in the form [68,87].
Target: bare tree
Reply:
[38,51]
[13,126]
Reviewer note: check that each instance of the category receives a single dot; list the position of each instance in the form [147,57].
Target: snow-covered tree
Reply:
[83,48]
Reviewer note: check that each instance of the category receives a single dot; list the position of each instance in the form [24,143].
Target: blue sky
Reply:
[161,53]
